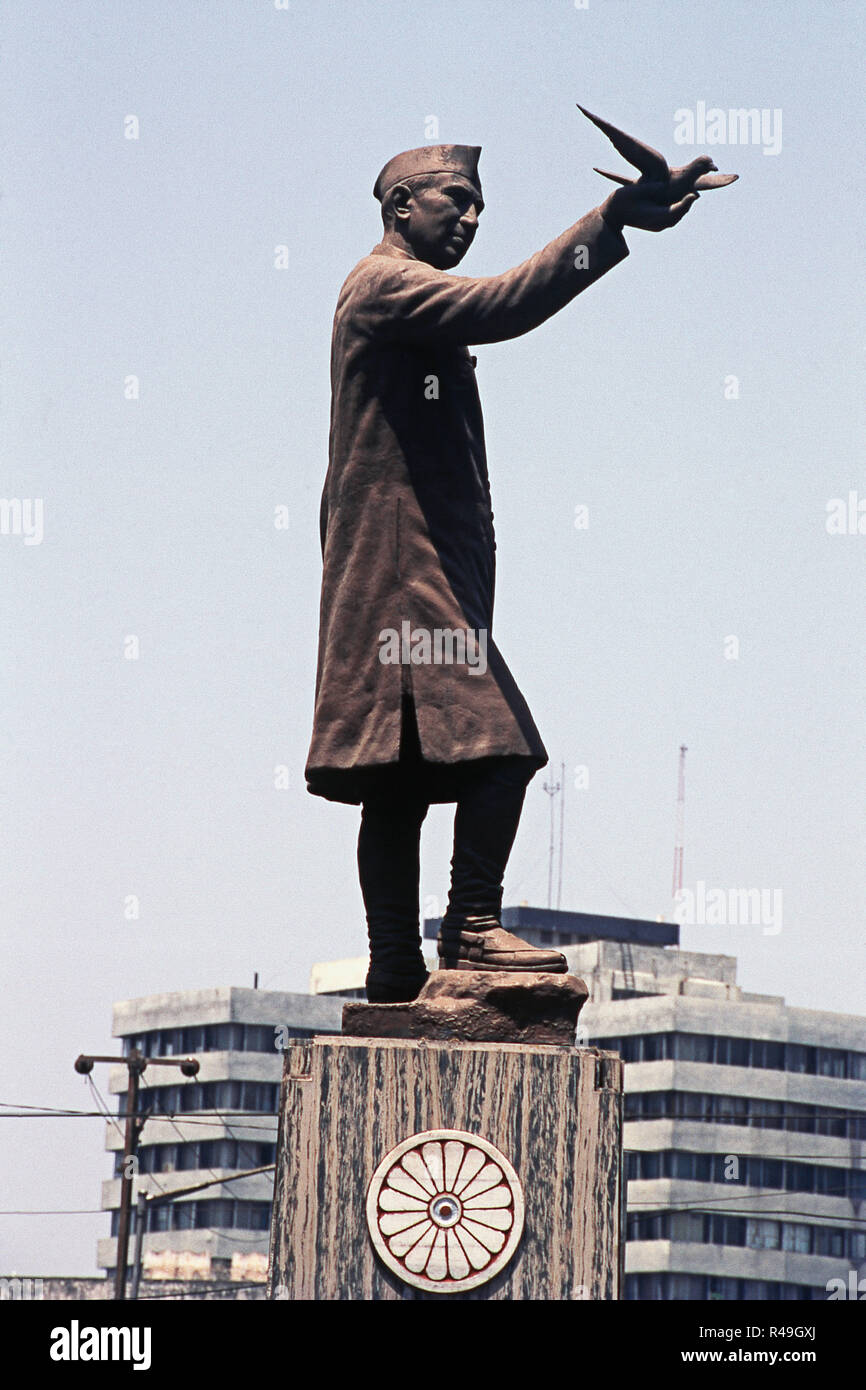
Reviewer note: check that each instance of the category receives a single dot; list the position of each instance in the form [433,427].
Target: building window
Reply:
[857,1066]
[184,1215]
[827,1240]
[754,1171]
[755,1233]
[204,1153]
[738,1052]
[694,1047]
[213,1037]
[800,1058]
[793,1116]
[831,1062]
[762,1235]
[219,1212]
[261,1096]
[686,1225]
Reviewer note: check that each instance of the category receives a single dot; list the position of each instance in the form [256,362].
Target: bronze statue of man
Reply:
[414,703]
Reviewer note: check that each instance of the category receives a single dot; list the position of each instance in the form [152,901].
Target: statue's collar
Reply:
[387,248]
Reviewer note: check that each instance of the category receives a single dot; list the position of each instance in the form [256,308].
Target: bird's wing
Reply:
[643,157]
[715,181]
[616,178]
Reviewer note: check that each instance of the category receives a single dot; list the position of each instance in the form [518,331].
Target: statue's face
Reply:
[440,219]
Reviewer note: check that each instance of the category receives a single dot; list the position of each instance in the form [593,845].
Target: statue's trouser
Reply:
[489,794]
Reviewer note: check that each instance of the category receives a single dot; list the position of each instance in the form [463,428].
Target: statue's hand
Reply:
[646,205]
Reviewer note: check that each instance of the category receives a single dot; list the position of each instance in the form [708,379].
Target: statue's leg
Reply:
[488,812]
[388,865]
[485,824]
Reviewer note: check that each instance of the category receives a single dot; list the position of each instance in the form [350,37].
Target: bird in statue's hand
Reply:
[661,196]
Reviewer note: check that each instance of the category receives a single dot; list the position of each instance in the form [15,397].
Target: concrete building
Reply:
[745,1125]
[221,1122]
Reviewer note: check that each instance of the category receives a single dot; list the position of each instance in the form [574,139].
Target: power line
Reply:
[831,1222]
[103,1104]
[112,1119]
[760,1196]
[836,1113]
[46,1112]
[71,1211]
[54,1109]
[221,1116]
[201,1118]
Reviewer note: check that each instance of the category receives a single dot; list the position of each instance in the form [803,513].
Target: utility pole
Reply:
[140,1224]
[135,1064]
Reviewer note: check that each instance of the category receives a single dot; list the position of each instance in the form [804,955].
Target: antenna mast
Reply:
[561,837]
[681,823]
[551,788]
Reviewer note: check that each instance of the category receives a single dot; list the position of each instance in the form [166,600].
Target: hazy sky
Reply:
[154,258]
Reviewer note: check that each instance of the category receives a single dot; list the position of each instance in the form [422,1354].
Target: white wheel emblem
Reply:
[445,1211]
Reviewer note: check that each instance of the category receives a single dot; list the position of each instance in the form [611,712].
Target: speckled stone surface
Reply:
[478,1006]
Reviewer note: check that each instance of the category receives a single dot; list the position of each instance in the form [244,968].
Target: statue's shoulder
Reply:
[386,263]
[373,282]
[368,271]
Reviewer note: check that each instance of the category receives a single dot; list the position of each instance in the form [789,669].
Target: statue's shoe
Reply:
[482,943]
[394,987]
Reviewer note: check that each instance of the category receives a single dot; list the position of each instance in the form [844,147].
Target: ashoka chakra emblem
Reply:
[445,1211]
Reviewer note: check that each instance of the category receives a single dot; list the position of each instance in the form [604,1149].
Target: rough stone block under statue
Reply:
[412,1168]
[478,1006]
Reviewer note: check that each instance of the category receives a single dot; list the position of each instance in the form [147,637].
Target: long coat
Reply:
[406,521]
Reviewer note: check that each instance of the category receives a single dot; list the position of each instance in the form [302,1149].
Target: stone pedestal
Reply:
[409,1168]
[478,1006]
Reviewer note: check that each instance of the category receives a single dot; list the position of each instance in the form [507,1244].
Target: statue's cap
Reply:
[430,159]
